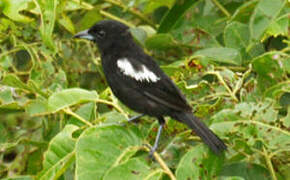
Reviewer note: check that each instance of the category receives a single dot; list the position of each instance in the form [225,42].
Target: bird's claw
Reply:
[131,120]
[135,118]
[152,150]
[151,153]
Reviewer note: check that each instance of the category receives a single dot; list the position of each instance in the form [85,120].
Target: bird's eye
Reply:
[101,34]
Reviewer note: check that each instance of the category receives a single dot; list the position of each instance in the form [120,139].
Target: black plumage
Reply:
[138,82]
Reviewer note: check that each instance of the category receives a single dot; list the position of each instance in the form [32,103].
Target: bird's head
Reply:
[105,33]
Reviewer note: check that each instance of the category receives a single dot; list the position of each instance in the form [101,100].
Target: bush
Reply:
[60,120]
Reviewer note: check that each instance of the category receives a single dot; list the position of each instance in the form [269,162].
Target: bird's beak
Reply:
[84,35]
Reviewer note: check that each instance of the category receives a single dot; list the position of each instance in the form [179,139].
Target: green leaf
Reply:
[221,55]
[231,178]
[252,122]
[160,42]
[99,149]
[279,27]
[246,171]
[19,178]
[4,137]
[133,169]
[13,81]
[268,68]
[175,13]
[269,116]
[199,163]
[12,9]
[86,111]
[150,6]
[243,11]
[74,5]
[66,22]
[286,120]
[68,97]
[286,65]
[277,90]
[60,154]
[11,107]
[37,107]
[265,14]
[113,117]
[285,99]
[48,18]
[34,165]
[90,18]
[6,95]
[139,34]
[236,35]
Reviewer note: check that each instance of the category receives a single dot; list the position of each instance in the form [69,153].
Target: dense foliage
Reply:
[59,119]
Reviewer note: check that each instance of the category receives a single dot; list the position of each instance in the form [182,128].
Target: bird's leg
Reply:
[155,146]
[135,117]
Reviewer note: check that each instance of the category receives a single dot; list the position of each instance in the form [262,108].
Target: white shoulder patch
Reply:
[140,75]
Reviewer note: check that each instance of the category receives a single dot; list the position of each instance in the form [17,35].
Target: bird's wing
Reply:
[146,77]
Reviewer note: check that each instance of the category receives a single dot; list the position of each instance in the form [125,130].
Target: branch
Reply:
[111,16]
[269,164]
[162,164]
[132,11]
[70,112]
[221,8]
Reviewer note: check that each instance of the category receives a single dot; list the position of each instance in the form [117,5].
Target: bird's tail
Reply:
[207,136]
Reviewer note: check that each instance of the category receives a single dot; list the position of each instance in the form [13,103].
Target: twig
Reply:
[132,11]
[240,82]
[285,49]
[112,104]
[278,151]
[264,125]
[17,48]
[221,8]
[269,163]
[111,16]
[233,68]
[224,84]
[70,112]
[162,164]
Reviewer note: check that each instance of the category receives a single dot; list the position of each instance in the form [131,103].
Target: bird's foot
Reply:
[152,151]
[155,146]
[134,118]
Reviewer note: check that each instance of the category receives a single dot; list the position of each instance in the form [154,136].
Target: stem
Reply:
[84,4]
[112,104]
[224,84]
[111,16]
[241,81]
[162,164]
[269,164]
[278,151]
[210,96]
[194,138]
[285,49]
[132,11]
[264,125]
[17,48]
[70,112]
[233,68]
[221,8]
[286,41]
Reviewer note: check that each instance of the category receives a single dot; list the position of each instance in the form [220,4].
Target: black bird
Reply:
[138,82]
